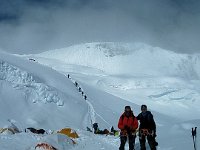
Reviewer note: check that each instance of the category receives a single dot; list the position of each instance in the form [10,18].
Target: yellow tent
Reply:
[69,132]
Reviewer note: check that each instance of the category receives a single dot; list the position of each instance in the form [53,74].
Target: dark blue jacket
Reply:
[146,121]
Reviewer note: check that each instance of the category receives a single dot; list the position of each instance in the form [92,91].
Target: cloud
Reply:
[32,26]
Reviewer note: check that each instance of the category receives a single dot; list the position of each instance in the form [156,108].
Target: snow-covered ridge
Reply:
[23,82]
[128,58]
[174,96]
[34,90]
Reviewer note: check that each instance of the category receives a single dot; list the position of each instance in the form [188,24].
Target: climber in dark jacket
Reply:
[147,128]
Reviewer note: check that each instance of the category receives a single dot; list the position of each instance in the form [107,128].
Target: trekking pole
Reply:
[194,132]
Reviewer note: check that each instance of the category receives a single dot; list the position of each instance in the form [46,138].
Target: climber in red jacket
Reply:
[128,124]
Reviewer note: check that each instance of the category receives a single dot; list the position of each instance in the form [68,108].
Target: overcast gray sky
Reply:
[32,26]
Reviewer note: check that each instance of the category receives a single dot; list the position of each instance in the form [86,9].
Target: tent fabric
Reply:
[44,146]
[7,130]
[57,141]
[69,132]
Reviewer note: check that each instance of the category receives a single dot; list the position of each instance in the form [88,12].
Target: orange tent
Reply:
[69,132]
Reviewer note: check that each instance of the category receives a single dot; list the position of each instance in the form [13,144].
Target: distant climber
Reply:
[31,59]
[76,84]
[85,97]
[128,125]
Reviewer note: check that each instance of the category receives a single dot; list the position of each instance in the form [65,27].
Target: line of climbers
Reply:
[79,88]
[128,125]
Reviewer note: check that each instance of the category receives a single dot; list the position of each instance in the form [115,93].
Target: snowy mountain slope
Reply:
[37,90]
[132,59]
[156,89]
[33,95]
[167,82]
[135,72]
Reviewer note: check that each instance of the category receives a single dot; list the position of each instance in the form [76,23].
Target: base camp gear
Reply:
[45,146]
[7,130]
[37,131]
[69,132]
[98,131]
[113,131]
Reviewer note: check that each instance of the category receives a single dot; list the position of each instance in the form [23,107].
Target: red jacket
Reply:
[131,122]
